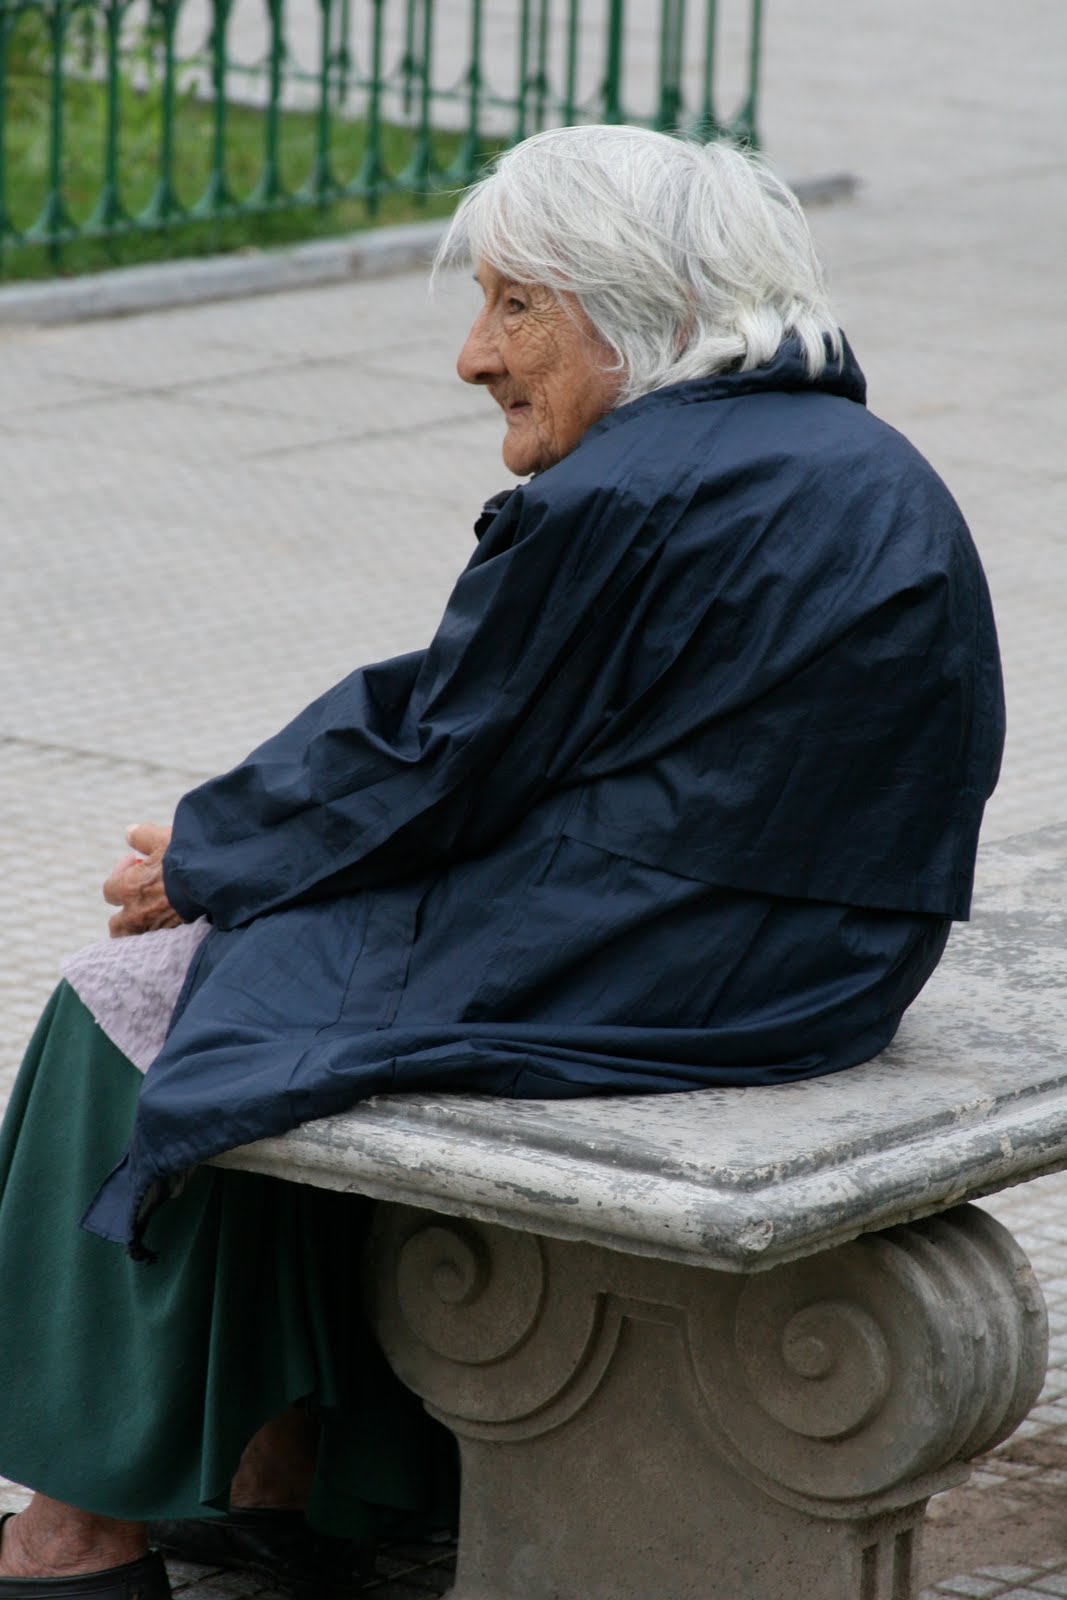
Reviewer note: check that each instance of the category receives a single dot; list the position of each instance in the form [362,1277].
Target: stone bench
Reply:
[725,1345]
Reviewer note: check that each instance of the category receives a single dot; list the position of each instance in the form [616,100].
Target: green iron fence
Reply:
[128,117]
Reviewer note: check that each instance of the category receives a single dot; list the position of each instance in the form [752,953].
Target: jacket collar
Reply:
[787,371]
[493,505]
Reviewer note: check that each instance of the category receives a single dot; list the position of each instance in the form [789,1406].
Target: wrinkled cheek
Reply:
[544,433]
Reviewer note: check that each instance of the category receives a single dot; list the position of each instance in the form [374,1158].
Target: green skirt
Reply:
[131,1390]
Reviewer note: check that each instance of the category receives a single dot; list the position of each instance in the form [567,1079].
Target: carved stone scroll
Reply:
[849,1373]
[634,1429]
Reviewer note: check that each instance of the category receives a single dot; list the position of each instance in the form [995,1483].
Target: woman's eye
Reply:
[513,303]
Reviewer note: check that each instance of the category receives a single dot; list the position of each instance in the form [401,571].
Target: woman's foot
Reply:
[276,1471]
[51,1540]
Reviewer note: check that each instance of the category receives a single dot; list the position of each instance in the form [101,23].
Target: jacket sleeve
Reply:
[429,756]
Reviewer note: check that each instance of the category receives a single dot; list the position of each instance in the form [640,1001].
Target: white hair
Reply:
[688,259]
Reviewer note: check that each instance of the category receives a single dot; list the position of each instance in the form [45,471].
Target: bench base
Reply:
[636,1429]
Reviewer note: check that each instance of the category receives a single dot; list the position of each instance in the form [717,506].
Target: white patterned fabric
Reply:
[131,985]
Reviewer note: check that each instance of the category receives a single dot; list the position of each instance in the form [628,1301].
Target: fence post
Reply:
[109,208]
[419,170]
[372,173]
[707,124]
[322,185]
[54,220]
[217,196]
[344,52]
[468,159]
[7,24]
[270,190]
[745,126]
[671,52]
[522,71]
[612,90]
[164,205]
[570,93]
[540,84]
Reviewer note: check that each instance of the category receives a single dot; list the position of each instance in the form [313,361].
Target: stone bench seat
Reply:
[724,1345]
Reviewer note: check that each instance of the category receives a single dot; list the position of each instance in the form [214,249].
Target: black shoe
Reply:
[277,1546]
[145,1579]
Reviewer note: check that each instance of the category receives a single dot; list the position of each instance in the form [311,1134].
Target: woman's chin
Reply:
[519,457]
[524,450]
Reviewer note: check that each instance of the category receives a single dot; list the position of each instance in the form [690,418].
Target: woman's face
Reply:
[544,366]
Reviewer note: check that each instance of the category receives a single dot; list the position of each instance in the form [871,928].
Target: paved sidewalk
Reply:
[208,516]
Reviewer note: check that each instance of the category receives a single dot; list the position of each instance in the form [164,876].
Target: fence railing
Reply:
[127,117]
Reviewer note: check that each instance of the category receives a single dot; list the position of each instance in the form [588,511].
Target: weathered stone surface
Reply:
[631,1427]
[971,1096]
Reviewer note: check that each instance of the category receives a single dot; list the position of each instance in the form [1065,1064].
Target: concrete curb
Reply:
[125,291]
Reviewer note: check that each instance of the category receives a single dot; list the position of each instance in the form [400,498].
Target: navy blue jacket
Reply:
[683,792]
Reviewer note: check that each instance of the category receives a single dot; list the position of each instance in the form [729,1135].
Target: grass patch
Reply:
[27,147]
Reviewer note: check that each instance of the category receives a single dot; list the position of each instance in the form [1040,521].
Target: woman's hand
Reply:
[136,884]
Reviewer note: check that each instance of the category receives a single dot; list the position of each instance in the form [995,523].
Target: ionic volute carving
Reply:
[851,1378]
[472,1319]
[852,1373]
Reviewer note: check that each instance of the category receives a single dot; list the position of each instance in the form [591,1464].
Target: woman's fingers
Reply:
[139,892]
[147,837]
[127,922]
[136,884]
[117,886]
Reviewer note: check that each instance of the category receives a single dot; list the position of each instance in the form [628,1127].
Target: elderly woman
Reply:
[685,791]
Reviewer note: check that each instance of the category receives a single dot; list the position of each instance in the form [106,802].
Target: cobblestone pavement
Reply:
[209,515]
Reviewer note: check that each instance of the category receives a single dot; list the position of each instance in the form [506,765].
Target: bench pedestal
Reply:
[693,1346]
[638,1429]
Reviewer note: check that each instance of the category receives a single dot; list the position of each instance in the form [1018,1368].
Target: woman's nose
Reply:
[479,361]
